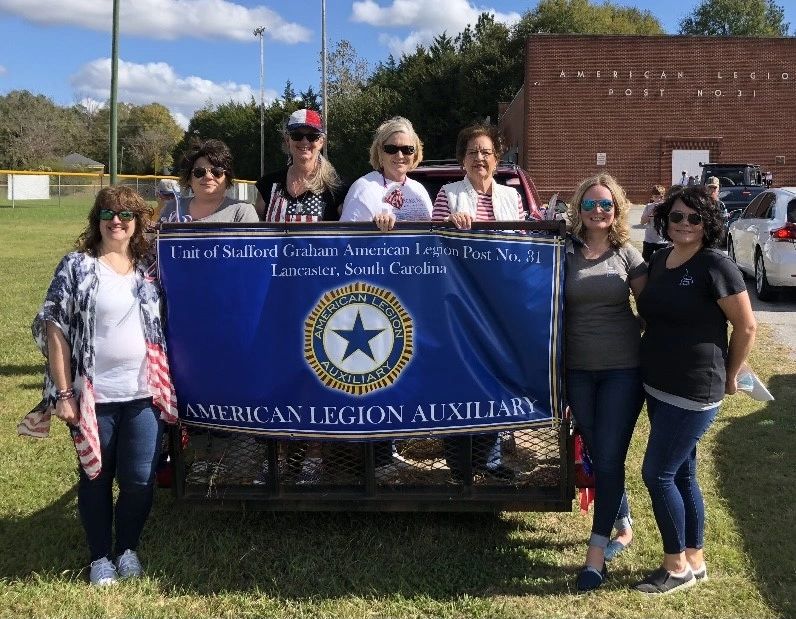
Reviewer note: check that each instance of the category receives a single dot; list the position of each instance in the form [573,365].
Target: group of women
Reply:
[682,364]
[107,373]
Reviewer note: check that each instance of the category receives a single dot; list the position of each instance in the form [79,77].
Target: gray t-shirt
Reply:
[602,333]
[229,211]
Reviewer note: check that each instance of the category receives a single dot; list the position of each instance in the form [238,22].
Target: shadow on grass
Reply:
[43,542]
[755,461]
[336,555]
[306,555]
[12,369]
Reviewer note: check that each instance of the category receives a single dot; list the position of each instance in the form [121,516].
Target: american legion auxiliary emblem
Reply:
[358,338]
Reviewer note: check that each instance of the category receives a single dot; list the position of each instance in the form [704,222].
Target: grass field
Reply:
[204,563]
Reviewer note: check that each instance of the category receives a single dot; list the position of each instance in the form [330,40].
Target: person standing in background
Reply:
[652,240]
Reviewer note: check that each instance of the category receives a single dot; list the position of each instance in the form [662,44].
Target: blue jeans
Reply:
[606,405]
[129,434]
[669,472]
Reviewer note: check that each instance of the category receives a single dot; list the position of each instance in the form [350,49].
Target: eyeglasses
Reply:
[693,218]
[485,152]
[216,171]
[588,204]
[297,136]
[392,149]
[107,214]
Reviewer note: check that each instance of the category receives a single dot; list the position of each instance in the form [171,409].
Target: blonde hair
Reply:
[619,233]
[325,177]
[396,124]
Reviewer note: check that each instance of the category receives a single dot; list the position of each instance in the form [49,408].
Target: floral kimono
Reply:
[70,305]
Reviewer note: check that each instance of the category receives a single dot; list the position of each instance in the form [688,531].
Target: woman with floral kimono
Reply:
[107,376]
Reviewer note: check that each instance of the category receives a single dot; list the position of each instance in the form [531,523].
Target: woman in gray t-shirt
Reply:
[602,356]
[207,170]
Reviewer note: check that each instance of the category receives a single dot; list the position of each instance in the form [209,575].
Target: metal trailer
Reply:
[239,471]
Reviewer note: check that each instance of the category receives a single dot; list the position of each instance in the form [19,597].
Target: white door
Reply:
[689,161]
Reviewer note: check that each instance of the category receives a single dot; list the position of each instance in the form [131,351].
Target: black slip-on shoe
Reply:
[663,582]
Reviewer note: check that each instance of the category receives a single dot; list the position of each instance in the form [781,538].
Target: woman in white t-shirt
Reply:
[107,376]
[387,194]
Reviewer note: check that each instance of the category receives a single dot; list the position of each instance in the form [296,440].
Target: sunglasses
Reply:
[297,136]
[392,149]
[216,171]
[588,204]
[677,216]
[107,214]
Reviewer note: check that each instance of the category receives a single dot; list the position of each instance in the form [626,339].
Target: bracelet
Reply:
[64,394]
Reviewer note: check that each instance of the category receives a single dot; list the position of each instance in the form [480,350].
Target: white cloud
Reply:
[158,82]
[163,19]
[3,70]
[451,16]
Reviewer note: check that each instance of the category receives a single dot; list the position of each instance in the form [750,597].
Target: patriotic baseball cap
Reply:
[305,118]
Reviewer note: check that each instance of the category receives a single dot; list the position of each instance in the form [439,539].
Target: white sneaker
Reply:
[128,565]
[103,573]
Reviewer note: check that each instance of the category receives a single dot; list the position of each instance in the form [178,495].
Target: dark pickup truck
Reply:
[740,183]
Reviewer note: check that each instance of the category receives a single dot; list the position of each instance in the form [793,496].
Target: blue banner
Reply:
[338,334]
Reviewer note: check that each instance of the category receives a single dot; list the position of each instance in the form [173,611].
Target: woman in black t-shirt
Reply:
[309,189]
[687,368]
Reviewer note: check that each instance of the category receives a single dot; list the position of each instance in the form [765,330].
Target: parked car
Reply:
[762,241]
[740,182]
[433,174]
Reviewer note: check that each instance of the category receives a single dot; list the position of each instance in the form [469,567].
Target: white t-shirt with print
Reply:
[372,193]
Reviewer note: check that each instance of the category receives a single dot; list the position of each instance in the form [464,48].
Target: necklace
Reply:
[384,180]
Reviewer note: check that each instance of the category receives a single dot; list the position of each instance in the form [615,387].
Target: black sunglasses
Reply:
[297,136]
[392,149]
[107,214]
[693,218]
[216,171]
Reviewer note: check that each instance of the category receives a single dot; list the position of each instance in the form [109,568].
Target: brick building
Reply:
[644,108]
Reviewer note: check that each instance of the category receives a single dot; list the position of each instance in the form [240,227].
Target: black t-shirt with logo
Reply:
[684,346]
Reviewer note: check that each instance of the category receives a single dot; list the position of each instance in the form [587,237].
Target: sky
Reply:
[187,54]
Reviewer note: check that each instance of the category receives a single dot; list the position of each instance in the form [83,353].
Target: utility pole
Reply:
[114,134]
[323,76]
[259,32]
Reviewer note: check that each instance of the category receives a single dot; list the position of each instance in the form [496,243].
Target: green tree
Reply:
[151,133]
[34,131]
[746,18]
[583,17]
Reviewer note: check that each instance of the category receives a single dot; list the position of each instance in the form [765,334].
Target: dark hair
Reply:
[476,131]
[217,153]
[116,197]
[695,198]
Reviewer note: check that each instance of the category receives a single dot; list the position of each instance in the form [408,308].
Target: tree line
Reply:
[440,87]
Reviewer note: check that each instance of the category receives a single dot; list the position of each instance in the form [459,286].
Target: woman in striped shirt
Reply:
[478,197]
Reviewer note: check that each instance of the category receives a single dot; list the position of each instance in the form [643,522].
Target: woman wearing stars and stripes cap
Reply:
[308,189]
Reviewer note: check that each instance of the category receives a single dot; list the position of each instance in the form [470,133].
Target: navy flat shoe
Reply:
[590,578]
